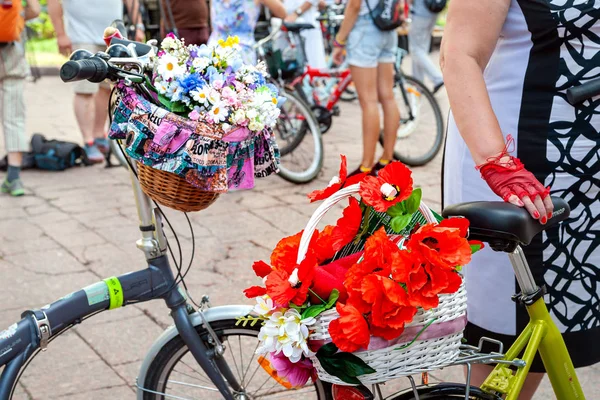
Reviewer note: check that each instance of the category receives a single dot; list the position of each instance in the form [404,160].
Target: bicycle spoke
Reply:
[234,360]
[249,364]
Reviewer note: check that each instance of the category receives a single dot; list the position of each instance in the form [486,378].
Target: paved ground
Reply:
[79,226]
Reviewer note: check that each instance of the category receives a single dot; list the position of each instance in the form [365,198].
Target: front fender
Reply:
[211,315]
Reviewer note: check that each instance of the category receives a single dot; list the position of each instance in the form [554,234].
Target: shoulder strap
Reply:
[370,11]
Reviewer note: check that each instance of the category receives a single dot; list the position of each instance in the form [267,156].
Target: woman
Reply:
[419,41]
[306,12]
[238,18]
[371,55]
[506,67]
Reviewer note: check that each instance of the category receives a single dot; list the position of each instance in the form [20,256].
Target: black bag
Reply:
[56,155]
[388,15]
[435,6]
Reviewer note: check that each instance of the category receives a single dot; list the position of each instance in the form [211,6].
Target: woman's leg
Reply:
[367,96]
[419,44]
[481,371]
[391,114]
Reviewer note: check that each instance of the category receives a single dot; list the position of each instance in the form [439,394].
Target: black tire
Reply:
[175,352]
[444,391]
[299,138]
[420,138]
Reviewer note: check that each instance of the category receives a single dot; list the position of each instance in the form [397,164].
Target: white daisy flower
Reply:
[169,68]
[219,112]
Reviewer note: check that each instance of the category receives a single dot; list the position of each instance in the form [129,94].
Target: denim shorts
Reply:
[368,46]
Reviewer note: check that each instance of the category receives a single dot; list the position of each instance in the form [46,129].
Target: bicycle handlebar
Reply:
[578,94]
[94,69]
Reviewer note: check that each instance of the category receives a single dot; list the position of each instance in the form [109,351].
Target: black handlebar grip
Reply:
[93,69]
[578,94]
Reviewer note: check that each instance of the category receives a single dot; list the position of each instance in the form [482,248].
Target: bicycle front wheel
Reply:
[174,373]
[299,137]
[421,133]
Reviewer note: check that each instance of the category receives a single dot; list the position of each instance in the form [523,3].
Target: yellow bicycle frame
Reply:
[541,334]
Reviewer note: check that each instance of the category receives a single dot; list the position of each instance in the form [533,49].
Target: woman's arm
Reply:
[470,36]
[32,9]
[304,7]
[276,7]
[350,16]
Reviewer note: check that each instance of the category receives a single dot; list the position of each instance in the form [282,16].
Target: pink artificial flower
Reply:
[297,374]
[218,84]
[229,95]
[194,115]
[171,35]
[161,53]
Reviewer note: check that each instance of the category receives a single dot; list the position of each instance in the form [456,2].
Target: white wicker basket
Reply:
[430,351]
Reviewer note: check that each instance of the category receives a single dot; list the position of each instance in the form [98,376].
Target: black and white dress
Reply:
[546,46]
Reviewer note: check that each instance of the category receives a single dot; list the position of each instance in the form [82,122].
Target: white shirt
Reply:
[85,20]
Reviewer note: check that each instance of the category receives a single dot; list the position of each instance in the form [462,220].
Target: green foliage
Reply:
[345,366]
[42,25]
[402,212]
[248,320]
[315,310]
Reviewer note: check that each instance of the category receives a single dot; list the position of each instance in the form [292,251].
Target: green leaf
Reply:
[173,106]
[475,248]
[413,202]
[397,210]
[400,222]
[345,366]
[315,310]
[298,308]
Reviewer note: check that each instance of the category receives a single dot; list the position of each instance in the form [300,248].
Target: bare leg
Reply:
[15,158]
[364,80]
[84,106]
[481,371]
[391,114]
[100,112]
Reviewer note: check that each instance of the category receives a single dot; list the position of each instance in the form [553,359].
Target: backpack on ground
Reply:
[12,22]
[435,6]
[388,14]
[56,155]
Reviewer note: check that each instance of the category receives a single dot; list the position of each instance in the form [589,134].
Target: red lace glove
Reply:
[509,177]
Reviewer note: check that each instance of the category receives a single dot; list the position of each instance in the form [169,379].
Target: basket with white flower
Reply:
[376,296]
[205,126]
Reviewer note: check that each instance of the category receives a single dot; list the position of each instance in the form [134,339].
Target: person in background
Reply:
[371,55]
[188,19]
[13,71]
[80,24]
[305,11]
[239,18]
[419,42]
[507,65]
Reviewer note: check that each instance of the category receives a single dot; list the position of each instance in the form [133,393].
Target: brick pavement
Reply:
[79,226]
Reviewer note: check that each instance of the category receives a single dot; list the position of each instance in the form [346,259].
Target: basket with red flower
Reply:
[376,296]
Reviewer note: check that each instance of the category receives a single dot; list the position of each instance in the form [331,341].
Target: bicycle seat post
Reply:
[150,227]
[523,272]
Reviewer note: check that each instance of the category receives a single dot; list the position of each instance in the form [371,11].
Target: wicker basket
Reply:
[171,190]
[432,352]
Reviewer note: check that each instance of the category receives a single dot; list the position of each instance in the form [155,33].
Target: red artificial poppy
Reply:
[336,183]
[285,254]
[255,291]
[393,185]
[331,276]
[261,269]
[440,245]
[347,227]
[380,249]
[350,331]
[391,306]
[322,244]
[462,224]
[285,287]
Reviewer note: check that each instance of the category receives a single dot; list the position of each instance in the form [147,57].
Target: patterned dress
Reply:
[546,46]
[235,17]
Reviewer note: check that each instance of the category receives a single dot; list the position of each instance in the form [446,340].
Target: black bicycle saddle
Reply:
[497,220]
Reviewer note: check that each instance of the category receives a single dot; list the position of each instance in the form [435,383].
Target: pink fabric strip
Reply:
[433,331]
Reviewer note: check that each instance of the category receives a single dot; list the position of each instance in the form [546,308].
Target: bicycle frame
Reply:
[22,340]
[541,334]
[311,73]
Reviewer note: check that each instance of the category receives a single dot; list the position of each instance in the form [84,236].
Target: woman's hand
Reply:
[65,47]
[291,18]
[508,178]
[338,55]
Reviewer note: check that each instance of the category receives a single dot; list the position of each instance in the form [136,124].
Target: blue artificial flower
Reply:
[213,75]
[191,82]
[203,51]
[193,51]
[273,89]
[259,79]
[236,64]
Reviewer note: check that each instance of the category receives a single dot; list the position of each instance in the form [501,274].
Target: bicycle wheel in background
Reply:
[174,373]
[421,132]
[299,138]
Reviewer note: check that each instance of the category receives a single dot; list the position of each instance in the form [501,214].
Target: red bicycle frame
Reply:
[342,74]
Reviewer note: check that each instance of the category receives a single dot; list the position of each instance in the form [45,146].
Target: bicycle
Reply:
[297,130]
[207,337]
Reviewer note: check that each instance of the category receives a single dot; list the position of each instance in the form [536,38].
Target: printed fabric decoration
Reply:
[204,156]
